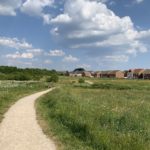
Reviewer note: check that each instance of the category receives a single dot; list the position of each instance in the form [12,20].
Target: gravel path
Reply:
[19,129]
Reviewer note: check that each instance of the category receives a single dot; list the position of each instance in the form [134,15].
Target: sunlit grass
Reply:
[99,118]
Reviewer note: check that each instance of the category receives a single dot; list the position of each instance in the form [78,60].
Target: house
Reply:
[116,74]
[105,74]
[135,74]
[130,74]
[138,73]
[146,74]
[71,74]
[97,74]
[112,74]
[125,73]
[86,74]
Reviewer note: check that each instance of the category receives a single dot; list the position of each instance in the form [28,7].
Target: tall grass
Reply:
[98,118]
[11,91]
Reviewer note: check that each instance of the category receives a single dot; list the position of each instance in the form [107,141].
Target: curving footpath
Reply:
[19,129]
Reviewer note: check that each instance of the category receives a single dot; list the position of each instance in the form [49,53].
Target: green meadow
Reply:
[106,115]
[11,91]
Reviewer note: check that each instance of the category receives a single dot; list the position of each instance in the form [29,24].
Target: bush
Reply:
[52,78]
[81,80]
[48,79]
[3,76]
[19,77]
[14,73]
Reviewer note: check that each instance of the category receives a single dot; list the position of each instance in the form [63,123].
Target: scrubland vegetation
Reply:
[107,115]
[14,73]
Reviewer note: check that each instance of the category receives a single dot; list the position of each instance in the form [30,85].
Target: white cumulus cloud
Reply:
[70,59]
[35,7]
[20,55]
[24,49]
[56,53]
[35,51]
[29,7]
[8,7]
[117,58]
[14,43]
[88,25]
[62,18]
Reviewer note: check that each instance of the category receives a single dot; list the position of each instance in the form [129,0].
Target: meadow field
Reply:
[11,91]
[106,115]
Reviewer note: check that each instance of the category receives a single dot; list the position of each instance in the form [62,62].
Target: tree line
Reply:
[14,73]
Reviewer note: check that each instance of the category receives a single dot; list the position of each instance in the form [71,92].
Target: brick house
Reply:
[116,74]
[97,74]
[105,74]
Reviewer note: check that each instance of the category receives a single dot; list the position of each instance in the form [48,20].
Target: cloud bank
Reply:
[87,26]
[91,27]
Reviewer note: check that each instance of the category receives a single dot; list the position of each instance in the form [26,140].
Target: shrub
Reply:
[52,78]
[3,76]
[19,77]
[81,80]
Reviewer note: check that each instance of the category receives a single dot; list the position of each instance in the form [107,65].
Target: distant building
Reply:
[135,74]
[66,73]
[104,74]
[76,73]
[86,74]
[146,74]
[112,74]
[138,73]
[116,74]
[130,74]
[97,74]
[125,73]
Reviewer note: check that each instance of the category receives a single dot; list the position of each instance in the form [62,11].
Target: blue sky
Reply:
[65,34]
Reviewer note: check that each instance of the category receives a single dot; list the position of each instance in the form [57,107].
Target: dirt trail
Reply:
[19,129]
[89,82]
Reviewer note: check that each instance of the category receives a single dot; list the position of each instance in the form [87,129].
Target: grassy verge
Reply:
[98,118]
[11,91]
